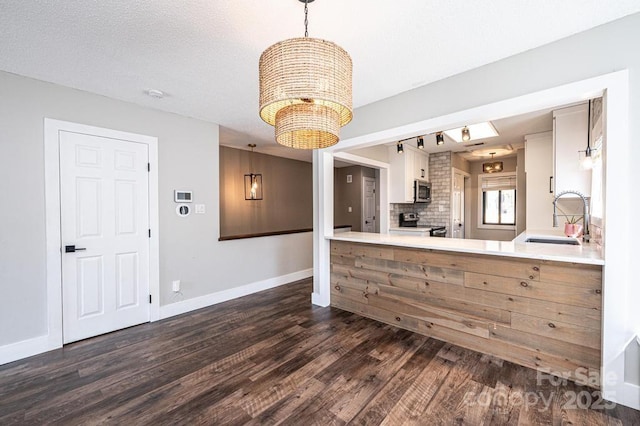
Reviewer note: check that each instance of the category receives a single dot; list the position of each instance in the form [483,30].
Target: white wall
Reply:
[189,247]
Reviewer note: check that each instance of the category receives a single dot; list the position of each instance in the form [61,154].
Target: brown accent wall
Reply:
[287,203]
[347,195]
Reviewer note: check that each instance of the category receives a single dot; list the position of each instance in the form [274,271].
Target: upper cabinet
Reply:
[421,164]
[538,149]
[404,169]
[570,136]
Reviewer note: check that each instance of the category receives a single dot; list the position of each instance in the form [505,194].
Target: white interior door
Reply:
[368,204]
[104,199]
[457,208]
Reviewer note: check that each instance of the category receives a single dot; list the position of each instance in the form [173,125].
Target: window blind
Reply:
[495,183]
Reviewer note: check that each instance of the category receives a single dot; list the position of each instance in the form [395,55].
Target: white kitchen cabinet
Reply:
[570,136]
[422,165]
[538,168]
[404,169]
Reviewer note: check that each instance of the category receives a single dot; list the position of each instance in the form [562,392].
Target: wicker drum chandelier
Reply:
[305,90]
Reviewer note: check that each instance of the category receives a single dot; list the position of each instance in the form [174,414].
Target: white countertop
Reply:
[587,253]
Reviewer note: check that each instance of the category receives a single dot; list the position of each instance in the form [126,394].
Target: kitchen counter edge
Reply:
[591,255]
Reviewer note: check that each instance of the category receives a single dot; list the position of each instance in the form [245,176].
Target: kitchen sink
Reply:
[565,241]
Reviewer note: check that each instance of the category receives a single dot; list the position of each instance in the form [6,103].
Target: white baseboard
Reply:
[626,394]
[319,300]
[26,348]
[189,305]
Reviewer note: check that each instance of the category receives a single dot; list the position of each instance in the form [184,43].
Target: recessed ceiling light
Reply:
[477,131]
[491,151]
[155,93]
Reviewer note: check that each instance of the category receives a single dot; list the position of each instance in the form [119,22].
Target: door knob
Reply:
[73,249]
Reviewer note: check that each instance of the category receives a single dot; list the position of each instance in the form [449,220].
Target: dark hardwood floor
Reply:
[274,358]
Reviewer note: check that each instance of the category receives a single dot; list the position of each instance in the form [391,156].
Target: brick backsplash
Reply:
[430,214]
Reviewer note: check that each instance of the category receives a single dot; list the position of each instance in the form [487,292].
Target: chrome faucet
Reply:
[585,213]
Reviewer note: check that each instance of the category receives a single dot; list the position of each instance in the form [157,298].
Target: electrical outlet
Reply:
[440,208]
[200,209]
[175,286]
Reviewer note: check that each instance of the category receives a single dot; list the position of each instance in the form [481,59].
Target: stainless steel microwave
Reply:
[421,191]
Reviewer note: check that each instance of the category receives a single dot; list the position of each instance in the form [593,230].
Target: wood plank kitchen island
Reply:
[531,304]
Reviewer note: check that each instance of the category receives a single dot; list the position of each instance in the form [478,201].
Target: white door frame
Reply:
[465,178]
[375,209]
[52,212]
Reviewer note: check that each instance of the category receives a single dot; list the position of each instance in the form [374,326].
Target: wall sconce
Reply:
[420,142]
[439,139]
[493,167]
[252,181]
[466,134]
[400,148]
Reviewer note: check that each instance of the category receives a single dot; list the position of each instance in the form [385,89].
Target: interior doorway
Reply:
[104,211]
[102,230]
[368,204]
[356,198]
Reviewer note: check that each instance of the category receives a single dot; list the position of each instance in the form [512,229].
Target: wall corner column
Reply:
[322,225]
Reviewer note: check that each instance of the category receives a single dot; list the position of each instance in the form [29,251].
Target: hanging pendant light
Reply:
[305,90]
[252,181]
[587,162]
[493,166]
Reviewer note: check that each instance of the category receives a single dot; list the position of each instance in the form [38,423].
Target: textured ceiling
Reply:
[204,54]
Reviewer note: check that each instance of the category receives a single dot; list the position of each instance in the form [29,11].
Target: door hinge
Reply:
[149,298]
[149,233]
[148,167]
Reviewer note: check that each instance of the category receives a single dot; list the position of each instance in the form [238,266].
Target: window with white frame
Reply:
[497,200]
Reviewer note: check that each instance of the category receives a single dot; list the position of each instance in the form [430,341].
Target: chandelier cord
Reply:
[306,19]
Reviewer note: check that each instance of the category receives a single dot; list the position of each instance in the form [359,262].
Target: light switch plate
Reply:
[200,209]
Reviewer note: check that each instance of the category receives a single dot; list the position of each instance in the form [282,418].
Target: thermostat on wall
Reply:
[183,196]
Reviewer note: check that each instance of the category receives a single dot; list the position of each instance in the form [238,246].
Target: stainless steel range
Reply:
[410,220]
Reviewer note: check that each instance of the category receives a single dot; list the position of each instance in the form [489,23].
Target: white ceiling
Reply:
[511,133]
[204,54]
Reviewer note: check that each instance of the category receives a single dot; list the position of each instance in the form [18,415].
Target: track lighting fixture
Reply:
[400,148]
[439,139]
[466,134]
[420,142]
